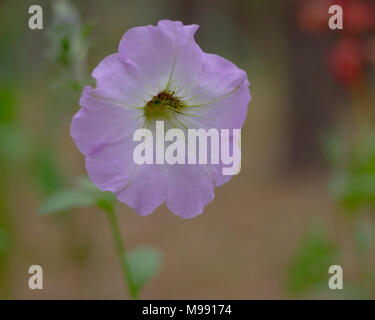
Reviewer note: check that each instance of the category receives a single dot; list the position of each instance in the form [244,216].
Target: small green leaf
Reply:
[144,263]
[67,199]
[83,182]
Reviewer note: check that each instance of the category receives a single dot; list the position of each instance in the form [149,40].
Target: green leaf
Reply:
[309,268]
[144,263]
[84,183]
[67,199]
[353,182]
[68,38]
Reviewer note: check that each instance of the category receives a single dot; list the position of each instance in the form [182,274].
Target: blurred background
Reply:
[304,199]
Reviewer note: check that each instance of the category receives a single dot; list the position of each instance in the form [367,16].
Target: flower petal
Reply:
[120,82]
[220,98]
[166,56]
[112,168]
[146,189]
[101,121]
[189,189]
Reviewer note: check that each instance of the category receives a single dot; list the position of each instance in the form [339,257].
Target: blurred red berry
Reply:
[346,61]
[359,15]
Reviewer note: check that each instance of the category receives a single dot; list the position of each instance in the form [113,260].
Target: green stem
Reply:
[120,247]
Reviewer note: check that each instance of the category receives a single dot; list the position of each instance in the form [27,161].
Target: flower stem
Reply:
[120,247]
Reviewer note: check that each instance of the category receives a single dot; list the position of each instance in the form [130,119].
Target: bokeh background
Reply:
[304,199]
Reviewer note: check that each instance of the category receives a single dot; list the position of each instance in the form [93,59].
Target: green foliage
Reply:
[67,199]
[68,38]
[63,33]
[63,52]
[86,184]
[7,104]
[364,237]
[353,186]
[353,181]
[83,195]
[309,267]
[46,170]
[144,263]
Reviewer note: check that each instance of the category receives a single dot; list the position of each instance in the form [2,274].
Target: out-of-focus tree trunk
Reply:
[313,94]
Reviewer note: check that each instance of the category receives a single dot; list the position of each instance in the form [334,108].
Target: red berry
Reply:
[346,61]
[359,15]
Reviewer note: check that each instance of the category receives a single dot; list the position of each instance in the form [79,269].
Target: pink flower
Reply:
[159,73]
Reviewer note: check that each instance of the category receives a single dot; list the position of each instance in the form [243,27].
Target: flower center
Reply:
[163,106]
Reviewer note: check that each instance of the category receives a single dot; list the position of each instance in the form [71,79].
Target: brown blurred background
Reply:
[243,245]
